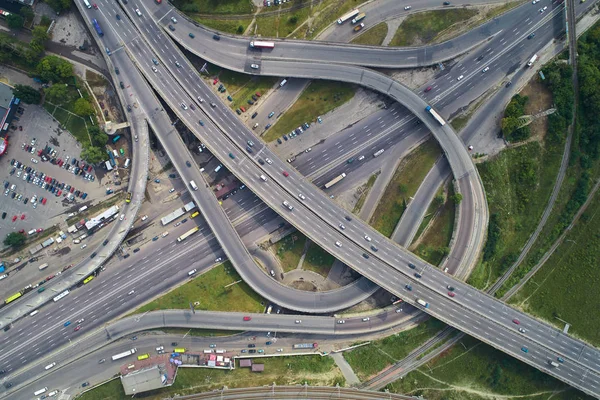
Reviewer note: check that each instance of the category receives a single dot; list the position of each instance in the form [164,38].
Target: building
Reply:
[143,381]
[101,218]
[8,109]
[258,367]
[245,363]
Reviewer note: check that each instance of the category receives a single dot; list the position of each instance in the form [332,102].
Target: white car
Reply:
[184,106]
[338,244]
[200,99]
[302,197]
[174,20]
[130,293]
[366,319]
[367,238]
[171,190]
[218,259]
[138,12]
[269,161]
[192,272]
[154,69]
[122,217]
[342,226]
[361,158]
[165,234]
[136,138]
[535,1]
[84,246]
[460,77]
[298,321]
[33,160]
[145,217]
[407,7]
[341,321]
[76,241]
[486,69]
[254,66]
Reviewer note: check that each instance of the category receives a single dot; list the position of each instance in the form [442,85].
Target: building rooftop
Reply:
[142,381]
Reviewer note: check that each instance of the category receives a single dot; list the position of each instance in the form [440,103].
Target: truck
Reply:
[167,219]
[532,60]
[359,18]
[335,180]
[258,44]
[378,153]
[348,16]
[306,346]
[193,185]
[124,354]
[423,303]
[359,27]
[2,266]
[435,115]
[553,363]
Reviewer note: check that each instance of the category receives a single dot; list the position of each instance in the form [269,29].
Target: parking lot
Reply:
[48,178]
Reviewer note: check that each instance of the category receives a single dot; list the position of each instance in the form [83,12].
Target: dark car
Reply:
[408,287]
[254,115]
[412,266]
[216,37]
[93,255]
[251,351]
[251,345]
[365,255]
[136,250]
[171,27]
[105,242]
[189,164]
[122,85]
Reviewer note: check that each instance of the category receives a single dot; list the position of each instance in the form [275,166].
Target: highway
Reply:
[373,79]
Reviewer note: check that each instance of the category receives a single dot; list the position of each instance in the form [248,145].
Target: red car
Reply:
[215,81]
[72,189]
[44,201]
[39,230]
[14,218]
[247,318]
[428,89]
[516,321]
[451,294]
[78,327]
[95,6]
[158,1]
[40,152]
[22,217]
[257,94]
[22,231]
[58,193]
[243,109]
[285,173]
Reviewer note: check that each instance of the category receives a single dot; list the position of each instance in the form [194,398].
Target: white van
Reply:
[207,351]
[43,266]
[219,168]
[53,393]
[38,392]
[127,162]
[264,178]
[116,153]
[3,276]
[31,314]
[47,367]
[193,185]
[87,3]
[220,351]
[283,82]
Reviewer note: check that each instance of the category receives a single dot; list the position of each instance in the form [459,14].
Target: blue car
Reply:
[67,323]
[560,360]
[524,349]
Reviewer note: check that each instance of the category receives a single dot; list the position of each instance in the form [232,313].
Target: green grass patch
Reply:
[314,370]
[50,108]
[430,213]
[328,12]
[255,84]
[365,192]
[76,125]
[289,250]
[318,260]
[372,358]
[318,98]
[460,122]
[518,183]
[234,7]
[574,264]
[422,28]
[473,370]
[280,25]
[403,185]
[226,25]
[435,244]
[61,115]
[209,290]
[372,37]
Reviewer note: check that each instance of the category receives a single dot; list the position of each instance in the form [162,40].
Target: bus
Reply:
[143,357]
[262,45]
[97,26]
[116,138]
[348,16]
[195,214]
[128,199]
[60,296]
[180,350]
[13,297]
[435,115]
[335,180]
[88,279]
[187,234]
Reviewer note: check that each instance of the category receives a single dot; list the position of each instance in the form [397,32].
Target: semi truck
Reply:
[423,303]
[335,180]
[348,16]
[306,346]
[359,17]
[532,60]
[124,354]
[435,115]
[258,44]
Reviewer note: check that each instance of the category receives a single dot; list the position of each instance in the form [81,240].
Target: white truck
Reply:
[532,60]
[423,303]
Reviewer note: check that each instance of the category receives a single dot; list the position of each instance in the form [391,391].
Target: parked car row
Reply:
[250,102]
[70,164]
[44,181]
[296,132]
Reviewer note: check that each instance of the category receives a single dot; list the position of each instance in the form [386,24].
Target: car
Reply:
[189,164]
[154,69]
[408,287]
[201,123]
[342,226]
[460,77]
[446,3]
[33,160]
[118,19]
[179,66]
[301,196]
[271,114]
[412,266]
[216,37]
[365,255]
[560,359]
[247,318]
[367,238]
[298,321]
[341,321]
[286,174]
[78,327]
[184,106]
[366,319]
[254,66]
[450,288]
[261,162]
[251,351]
[249,149]
[219,259]
[508,84]
[93,255]
[171,27]
[451,294]
[67,323]
[84,384]
[522,330]
[252,345]
[531,36]
[524,349]
[174,20]
[486,69]
[374,248]
[516,321]
[338,244]
[128,108]
[407,7]
[535,1]
[191,35]
[269,161]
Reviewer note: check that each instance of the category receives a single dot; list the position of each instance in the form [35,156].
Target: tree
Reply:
[27,94]
[15,21]
[57,94]
[82,107]
[457,198]
[93,155]
[26,12]
[99,138]
[240,29]
[439,199]
[293,19]
[40,34]
[54,69]
[15,239]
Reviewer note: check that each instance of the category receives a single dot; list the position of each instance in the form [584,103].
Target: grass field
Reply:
[372,37]
[73,123]
[549,294]
[235,7]
[370,359]
[518,183]
[404,184]
[209,290]
[435,244]
[318,98]
[318,260]
[280,25]
[429,214]
[365,192]
[225,25]
[315,370]
[289,250]
[472,370]
[422,28]
[328,12]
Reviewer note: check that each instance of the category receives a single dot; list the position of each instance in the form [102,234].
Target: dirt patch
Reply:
[303,285]
[540,99]
[107,98]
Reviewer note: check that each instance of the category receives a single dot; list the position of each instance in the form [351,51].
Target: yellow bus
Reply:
[128,199]
[13,297]
[195,214]
[88,279]
[180,350]
[143,356]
